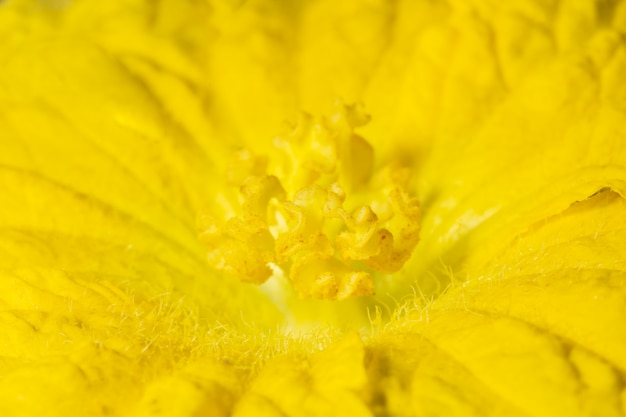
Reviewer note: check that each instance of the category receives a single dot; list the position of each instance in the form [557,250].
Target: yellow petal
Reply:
[536,331]
[325,384]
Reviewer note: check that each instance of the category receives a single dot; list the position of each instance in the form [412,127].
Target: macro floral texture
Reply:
[314,207]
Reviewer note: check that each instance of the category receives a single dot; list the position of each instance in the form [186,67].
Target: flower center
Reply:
[315,208]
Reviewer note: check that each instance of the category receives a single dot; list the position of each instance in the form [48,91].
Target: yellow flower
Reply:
[438,229]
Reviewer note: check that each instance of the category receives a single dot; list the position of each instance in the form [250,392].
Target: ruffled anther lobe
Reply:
[317,208]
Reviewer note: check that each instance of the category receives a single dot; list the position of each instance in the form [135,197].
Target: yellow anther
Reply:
[317,209]
[257,193]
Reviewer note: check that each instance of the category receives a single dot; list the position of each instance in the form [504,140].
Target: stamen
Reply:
[317,210]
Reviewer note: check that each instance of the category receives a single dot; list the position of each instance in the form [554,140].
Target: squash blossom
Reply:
[312,208]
